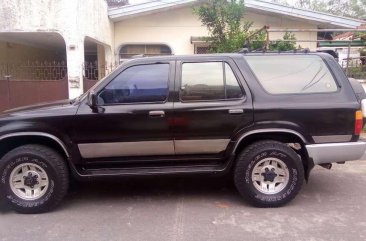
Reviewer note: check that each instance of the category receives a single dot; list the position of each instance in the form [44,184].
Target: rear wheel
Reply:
[268,174]
[34,178]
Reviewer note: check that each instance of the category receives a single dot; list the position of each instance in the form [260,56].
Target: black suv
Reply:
[265,119]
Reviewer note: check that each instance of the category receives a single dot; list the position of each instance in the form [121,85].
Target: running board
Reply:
[154,170]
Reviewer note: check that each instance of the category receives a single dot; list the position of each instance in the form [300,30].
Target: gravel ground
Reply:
[330,207]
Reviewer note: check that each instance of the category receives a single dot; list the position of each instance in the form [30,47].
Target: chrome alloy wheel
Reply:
[270,175]
[29,181]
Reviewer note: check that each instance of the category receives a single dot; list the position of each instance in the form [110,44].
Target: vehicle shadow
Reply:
[158,188]
[153,187]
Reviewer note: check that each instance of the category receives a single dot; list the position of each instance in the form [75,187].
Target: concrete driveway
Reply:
[331,207]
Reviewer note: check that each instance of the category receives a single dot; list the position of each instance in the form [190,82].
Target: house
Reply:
[59,48]
[347,45]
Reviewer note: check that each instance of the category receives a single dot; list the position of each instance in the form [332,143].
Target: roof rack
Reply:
[246,51]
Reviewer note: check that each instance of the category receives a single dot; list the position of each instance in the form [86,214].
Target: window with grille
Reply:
[201,49]
[130,50]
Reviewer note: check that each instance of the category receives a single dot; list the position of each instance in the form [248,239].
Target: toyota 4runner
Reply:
[265,119]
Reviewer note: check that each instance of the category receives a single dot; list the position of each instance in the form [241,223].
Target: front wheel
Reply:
[268,174]
[34,178]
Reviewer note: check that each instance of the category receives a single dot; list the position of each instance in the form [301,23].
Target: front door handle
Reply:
[157,113]
[236,111]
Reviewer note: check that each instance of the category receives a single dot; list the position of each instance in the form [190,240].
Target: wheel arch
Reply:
[276,134]
[13,140]
[273,133]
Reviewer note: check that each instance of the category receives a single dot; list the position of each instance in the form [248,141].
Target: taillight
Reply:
[358,122]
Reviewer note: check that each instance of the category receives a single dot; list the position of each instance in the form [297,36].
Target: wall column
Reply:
[75,61]
[101,61]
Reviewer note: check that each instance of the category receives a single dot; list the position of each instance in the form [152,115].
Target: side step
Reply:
[153,170]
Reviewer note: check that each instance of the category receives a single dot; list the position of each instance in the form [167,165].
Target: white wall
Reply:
[72,19]
[76,19]
[175,28]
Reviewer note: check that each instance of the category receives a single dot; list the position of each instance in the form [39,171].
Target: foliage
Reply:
[223,20]
[356,72]
[348,8]
[358,8]
[281,45]
[228,33]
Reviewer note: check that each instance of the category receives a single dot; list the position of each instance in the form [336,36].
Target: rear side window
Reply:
[209,81]
[291,74]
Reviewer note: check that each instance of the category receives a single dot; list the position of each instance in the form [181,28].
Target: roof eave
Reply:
[324,19]
[129,11]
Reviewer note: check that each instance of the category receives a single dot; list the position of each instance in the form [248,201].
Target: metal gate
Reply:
[93,72]
[32,82]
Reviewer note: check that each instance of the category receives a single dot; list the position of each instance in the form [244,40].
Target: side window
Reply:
[233,90]
[291,74]
[141,83]
[209,81]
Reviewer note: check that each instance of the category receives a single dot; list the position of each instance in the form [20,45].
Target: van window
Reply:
[291,74]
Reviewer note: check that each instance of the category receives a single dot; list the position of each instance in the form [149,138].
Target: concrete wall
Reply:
[72,19]
[75,20]
[175,27]
[18,53]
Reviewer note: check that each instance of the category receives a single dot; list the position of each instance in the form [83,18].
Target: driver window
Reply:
[140,83]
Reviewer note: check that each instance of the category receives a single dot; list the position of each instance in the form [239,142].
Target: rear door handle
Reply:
[236,111]
[157,113]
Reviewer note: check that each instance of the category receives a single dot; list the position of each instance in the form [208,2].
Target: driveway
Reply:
[331,207]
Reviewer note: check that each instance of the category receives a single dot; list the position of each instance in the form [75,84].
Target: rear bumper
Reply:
[336,152]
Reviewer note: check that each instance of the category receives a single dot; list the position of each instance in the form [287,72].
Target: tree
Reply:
[223,21]
[358,8]
[348,8]
[228,32]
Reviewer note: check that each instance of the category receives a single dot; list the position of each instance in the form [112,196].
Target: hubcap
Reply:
[29,181]
[270,175]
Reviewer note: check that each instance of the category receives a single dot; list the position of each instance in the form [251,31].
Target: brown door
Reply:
[31,83]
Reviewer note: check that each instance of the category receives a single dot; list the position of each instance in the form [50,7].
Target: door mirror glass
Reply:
[92,99]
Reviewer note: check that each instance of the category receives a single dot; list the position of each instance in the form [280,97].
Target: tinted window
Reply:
[142,83]
[233,89]
[292,74]
[206,81]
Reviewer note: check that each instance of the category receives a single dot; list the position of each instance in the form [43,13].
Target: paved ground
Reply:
[331,207]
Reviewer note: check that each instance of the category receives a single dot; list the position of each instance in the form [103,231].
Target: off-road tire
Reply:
[253,155]
[54,166]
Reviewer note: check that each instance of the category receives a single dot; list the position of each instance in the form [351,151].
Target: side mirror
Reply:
[92,103]
[92,99]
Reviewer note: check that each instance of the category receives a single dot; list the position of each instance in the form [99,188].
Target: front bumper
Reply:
[336,152]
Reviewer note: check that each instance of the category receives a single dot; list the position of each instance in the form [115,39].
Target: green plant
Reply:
[223,21]
[229,33]
[287,43]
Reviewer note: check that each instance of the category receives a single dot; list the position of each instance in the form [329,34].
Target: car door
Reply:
[212,104]
[132,121]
